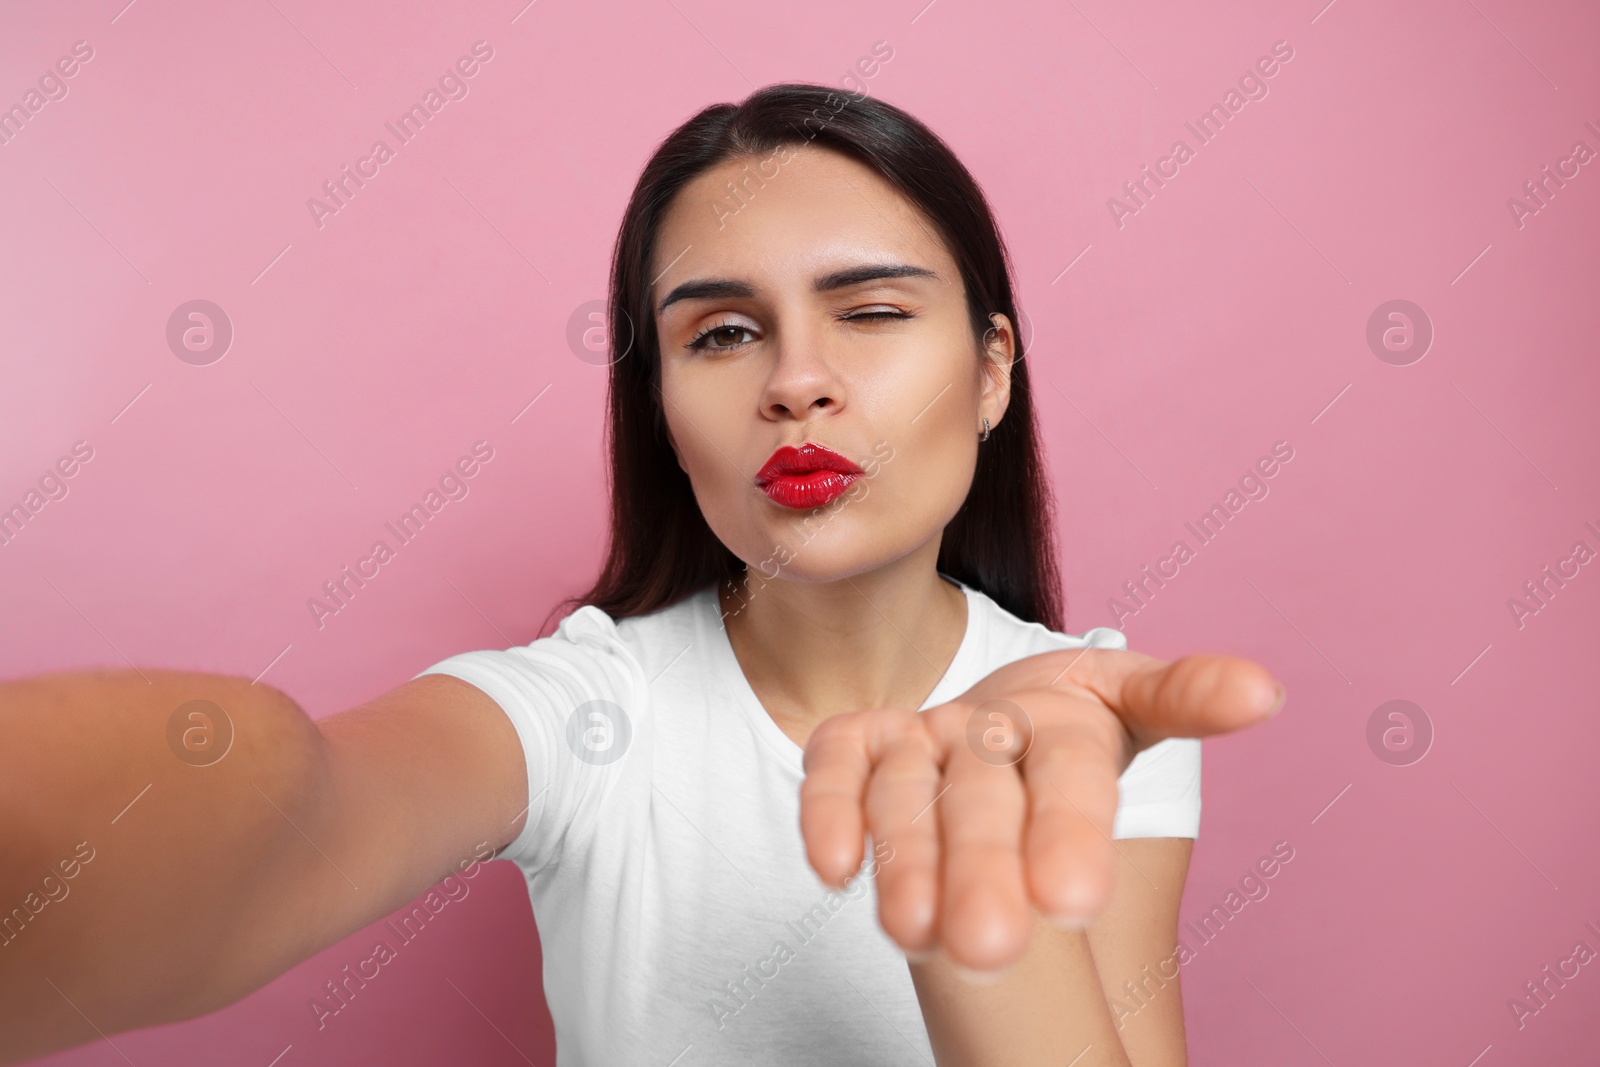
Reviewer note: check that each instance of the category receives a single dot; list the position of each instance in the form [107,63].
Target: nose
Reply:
[802,380]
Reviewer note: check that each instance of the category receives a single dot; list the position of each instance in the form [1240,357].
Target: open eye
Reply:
[723,330]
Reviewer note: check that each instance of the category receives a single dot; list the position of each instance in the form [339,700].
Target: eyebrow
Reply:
[722,288]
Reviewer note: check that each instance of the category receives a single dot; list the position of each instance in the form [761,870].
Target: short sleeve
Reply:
[576,700]
[1158,794]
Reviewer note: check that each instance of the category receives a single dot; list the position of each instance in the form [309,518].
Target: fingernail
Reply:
[924,956]
[1278,704]
[1069,922]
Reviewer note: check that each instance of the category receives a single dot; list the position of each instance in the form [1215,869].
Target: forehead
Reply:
[821,209]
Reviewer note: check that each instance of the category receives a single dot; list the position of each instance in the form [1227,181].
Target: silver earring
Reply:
[985,436]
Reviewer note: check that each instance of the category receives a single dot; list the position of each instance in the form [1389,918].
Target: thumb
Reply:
[1196,696]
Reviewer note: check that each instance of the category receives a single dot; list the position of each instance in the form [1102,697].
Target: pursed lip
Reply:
[809,457]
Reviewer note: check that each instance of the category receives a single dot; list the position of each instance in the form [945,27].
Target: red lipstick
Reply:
[806,477]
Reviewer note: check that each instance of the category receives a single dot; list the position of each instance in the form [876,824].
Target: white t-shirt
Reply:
[680,921]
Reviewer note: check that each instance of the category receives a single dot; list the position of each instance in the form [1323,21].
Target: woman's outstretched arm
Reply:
[999,806]
[152,869]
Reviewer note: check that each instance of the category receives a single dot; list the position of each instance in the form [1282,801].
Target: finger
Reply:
[901,811]
[1195,696]
[837,765]
[838,762]
[985,915]
[1070,774]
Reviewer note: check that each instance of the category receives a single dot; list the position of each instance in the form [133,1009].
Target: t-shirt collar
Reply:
[958,677]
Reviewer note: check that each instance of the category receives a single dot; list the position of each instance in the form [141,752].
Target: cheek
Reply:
[927,405]
[691,402]
[931,472]
[710,443]
[704,450]
[925,409]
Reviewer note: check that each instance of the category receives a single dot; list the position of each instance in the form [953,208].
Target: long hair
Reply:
[661,549]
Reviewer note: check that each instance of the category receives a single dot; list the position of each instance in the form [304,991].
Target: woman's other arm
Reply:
[1135,946]
[1068,999]
[204,881]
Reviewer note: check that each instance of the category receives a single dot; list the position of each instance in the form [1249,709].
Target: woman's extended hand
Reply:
[1002,800]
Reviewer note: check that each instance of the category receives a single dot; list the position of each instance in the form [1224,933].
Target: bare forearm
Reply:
[1135,947]
[1148,1009]
[1047,1009]
[133,843]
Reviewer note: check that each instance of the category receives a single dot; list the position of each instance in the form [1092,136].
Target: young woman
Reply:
[810,777]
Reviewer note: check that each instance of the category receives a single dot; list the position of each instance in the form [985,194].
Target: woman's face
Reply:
[781,350]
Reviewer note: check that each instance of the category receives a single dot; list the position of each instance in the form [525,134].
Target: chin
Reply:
[830,556]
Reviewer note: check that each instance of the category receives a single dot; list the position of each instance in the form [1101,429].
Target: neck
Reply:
[811,650]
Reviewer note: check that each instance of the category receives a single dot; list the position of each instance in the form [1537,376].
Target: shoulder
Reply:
[660,637]
[590,653]
[1008,634]
[582,703]
[1160,788]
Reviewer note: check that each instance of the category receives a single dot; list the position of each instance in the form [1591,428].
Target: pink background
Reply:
[1226,315]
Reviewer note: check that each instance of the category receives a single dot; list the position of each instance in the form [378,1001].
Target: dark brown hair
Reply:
[661,550]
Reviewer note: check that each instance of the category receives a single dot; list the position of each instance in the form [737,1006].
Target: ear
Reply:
[998,355]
